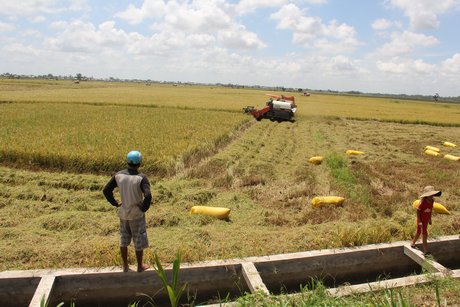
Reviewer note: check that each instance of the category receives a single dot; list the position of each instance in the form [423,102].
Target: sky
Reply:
[374,46]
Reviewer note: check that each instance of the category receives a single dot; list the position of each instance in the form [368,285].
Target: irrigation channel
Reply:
[342,271]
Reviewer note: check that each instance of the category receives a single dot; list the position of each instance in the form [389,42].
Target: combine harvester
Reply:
[279,108]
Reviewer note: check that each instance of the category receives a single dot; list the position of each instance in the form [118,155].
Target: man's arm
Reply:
[108,192]
[145,187]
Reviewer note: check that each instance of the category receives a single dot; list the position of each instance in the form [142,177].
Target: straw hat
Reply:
[430,191]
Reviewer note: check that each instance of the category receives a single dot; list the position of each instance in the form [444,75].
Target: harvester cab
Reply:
[279,108]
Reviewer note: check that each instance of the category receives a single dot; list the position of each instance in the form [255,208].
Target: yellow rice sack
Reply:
[319,201]
[217,212]
[437,207]
[449,144]
[432,148]
[316,160]
[354,152]
[452,157]
[431,153]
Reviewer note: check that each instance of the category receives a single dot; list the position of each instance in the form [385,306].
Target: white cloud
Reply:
[181,24]
[196,17]
[20,50]
[340,31]
[423,14]
[16,8]
[38,19]
[201,40]
[161,44]
[452,65]
[32,34]
[290,17]
[80,36]
[404,43]
[392,67]
[148,9]
[28,7]
[58,25]
[381,24]
[342,64]
[239,38]
[422,67]
[407,67]
[316,1]
[6,27]
[217,41]
[311,32]
[248,6]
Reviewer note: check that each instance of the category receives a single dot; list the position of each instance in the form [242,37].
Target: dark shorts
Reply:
[135,230]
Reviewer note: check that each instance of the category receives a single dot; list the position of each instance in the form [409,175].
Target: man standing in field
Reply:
[135,201]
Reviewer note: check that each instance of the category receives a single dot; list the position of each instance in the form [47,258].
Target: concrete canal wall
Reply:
[361,269]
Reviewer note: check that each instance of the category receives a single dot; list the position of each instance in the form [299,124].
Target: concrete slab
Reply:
[43,291]
[252,278]
[425,262]
[385,284]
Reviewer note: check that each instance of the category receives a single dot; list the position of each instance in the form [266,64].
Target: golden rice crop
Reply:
[225,98]
[96,138]
[127,93]
[387,109]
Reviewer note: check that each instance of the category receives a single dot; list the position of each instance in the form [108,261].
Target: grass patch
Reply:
[340,171]
[438,293]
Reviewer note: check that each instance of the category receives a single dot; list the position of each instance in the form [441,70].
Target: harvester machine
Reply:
[279,108]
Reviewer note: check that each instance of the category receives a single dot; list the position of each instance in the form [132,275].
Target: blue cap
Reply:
[134,157]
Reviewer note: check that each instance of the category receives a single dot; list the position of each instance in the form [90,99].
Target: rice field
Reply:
[230,99]
[94,138]
[57,153]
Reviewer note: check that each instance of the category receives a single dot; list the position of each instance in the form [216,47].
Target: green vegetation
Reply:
[439,293]
[175,291]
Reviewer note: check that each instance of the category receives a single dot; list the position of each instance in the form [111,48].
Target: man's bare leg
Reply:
[425,244]
[124,257]
[139,256]
[415,239]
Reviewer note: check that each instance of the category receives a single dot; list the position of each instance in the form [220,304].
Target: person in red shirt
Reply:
[424,210]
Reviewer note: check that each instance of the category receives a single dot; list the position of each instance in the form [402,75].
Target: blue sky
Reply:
[380,46]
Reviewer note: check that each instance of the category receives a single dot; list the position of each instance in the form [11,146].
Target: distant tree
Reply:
[78,76]
[299,90]
[436,97]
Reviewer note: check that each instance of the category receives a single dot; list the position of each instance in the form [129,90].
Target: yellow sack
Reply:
[437,207]
[316,160]
[432,152]
[326,200]
[452,157]
[449,144]
[432,148]
[218,212]
[354,152]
